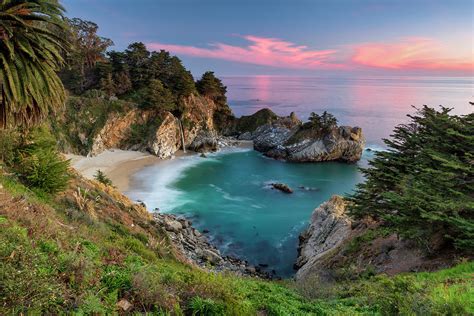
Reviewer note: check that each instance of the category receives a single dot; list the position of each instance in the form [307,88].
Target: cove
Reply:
[229,194]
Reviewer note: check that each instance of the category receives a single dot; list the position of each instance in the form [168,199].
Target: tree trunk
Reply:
[3,110]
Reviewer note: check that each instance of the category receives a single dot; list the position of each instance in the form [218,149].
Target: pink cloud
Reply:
[260,51]
[410,54]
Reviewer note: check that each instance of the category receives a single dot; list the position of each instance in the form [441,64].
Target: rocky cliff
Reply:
[286,138]
[329,227]
[334,247]
[160,133]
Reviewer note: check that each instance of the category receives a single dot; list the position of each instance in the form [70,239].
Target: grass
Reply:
[58,258]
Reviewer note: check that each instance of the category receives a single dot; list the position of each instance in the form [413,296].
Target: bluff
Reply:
[287,138]
[335,247]
[92,125]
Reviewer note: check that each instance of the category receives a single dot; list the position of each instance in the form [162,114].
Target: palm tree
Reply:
[32,44]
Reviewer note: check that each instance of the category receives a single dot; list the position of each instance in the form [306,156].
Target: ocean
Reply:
[228,193]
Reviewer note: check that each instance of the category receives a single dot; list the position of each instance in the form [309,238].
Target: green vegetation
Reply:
[316,127]
[102,178]
[83,119]
[57,257]
[211,87]
[423,185]
[155,96]
[31,52]
[35,160]
[324,123]
[252,122]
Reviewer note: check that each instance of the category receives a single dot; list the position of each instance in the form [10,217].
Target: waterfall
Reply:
[181,131]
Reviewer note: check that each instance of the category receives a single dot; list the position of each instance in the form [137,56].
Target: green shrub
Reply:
[102,178]
[43,169]
[35,159]
[206,307]
[9,142]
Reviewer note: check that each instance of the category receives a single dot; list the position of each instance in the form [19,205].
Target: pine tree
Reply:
[423,185]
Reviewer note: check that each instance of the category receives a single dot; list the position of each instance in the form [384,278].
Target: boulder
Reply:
[205,141]
[282,187]
[294,144]
[173,225]
[211,256]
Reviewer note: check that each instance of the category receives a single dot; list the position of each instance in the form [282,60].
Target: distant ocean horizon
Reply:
[375,103]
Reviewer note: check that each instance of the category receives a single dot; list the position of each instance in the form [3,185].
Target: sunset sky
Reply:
[295,37]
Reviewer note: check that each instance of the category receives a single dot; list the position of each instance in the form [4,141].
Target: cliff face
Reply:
[117,129]
[334,247]
[160,133]
[328,228]
[286,138]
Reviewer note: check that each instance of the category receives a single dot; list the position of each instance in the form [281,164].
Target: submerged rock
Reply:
[282,187]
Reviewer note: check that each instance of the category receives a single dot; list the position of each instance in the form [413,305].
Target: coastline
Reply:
[120,165]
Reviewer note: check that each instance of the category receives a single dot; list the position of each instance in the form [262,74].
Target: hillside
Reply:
[69,245]
[91,250]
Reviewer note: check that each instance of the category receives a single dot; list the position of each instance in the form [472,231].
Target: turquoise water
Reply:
[228,194]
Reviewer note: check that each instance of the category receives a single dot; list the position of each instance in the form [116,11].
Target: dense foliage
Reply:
[35,159]
[423,185]
[88,51]
[151,79]
[32,45]
[212,87]
[324,122]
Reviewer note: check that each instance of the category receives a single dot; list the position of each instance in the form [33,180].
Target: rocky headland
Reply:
[287,138]
[335,247]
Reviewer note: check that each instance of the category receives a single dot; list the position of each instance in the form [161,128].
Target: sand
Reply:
[117,164]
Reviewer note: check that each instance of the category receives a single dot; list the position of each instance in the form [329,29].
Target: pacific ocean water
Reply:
[228,193]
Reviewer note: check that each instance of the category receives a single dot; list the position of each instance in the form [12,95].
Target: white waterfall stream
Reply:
[181,131]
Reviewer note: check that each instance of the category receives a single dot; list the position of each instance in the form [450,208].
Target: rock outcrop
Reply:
[335,247]
[286,138]
[195,247]
[282,187]
[116,130]
[161,131]
[329,227]
[165,141]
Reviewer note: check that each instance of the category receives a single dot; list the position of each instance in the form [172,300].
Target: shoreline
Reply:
[120,165]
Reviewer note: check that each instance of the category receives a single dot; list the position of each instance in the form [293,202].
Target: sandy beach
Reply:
[117,164]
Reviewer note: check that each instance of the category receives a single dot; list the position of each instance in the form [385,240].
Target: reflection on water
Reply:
[375,104]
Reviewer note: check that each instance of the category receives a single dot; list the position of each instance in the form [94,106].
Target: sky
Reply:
[295,37]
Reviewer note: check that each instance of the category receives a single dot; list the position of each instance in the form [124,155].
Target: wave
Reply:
[226,195]
[292,235]
[156,182]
